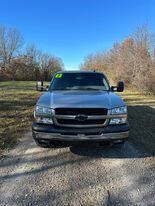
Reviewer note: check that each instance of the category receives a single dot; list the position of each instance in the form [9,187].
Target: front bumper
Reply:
[49,132]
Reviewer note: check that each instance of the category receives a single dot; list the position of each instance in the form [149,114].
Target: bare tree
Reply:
[11,42]
[32,55]
[32,52]
[48,65]
[31,64]
[132,61]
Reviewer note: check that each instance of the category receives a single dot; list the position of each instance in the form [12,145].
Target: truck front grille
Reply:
[76,111]
[89,117]
[86,122]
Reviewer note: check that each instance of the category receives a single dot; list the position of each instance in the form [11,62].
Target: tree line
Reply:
[132,61]
[19,63]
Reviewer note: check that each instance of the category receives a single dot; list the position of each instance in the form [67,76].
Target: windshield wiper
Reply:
[89,88]
[86,88]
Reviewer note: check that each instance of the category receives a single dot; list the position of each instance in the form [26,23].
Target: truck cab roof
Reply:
[79,71]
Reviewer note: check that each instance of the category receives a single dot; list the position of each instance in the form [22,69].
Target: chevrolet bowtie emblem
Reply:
[81,117]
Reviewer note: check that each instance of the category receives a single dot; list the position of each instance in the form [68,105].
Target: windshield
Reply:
[79,81]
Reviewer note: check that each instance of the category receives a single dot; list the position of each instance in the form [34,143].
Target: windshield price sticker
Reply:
[58,75]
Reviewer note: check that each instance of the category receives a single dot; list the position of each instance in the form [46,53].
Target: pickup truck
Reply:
[80,106]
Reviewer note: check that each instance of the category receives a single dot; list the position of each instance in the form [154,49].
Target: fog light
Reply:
[118,121]
[44,120]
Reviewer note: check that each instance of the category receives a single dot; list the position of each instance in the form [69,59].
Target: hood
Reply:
[80,99]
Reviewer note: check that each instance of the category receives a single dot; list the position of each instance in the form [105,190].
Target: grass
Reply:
[141,115]
[17,100]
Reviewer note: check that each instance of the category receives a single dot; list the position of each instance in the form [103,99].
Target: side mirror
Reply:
[46,88]
[120,86]
[39,86]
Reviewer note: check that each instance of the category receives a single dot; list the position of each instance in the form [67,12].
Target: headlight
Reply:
[118,120]
[119,110]
[44,120]
[43,110]
[43,115]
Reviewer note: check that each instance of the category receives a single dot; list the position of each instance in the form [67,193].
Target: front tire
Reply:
[48,143]
[42,144]
[121,141]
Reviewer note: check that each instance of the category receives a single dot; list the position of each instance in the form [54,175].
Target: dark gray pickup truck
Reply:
[80,106]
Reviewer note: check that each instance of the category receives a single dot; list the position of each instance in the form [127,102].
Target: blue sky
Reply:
[71,29]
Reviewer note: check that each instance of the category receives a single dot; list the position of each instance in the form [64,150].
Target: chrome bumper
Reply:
[80,137]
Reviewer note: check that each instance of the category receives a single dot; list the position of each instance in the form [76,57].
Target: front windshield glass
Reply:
[79,81]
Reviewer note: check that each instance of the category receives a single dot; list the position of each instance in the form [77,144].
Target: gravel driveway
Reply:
[74,176]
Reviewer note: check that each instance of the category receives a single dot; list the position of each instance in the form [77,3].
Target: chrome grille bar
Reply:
[92,117]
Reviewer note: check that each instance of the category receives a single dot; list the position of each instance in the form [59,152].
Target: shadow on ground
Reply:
[108,151]
[142,128]
[142,137]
